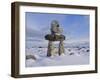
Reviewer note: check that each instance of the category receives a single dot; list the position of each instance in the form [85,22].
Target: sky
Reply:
[75,27]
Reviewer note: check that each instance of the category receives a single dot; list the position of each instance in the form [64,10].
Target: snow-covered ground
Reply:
[75,55]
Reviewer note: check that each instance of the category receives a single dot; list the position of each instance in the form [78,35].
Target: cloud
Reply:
[75,27]
[36,34]
[77,40]
[33,33]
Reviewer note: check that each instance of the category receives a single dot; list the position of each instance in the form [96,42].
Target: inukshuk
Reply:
[56,35]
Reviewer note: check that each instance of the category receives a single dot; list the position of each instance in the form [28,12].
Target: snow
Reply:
[72,56]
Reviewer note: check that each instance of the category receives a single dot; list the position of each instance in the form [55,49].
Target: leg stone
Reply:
[50,48]
[61,48]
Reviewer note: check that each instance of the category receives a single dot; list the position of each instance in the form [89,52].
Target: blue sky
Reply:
[76,27]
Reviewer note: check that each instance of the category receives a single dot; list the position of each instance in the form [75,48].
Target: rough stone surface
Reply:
[50,48]
[56,35]
[61,48]
[51,37]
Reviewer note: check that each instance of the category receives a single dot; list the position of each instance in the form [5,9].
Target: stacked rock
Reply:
[56,35]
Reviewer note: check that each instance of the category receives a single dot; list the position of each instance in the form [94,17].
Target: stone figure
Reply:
[56,35]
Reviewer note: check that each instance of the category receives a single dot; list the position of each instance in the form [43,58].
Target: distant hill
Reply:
[66,45]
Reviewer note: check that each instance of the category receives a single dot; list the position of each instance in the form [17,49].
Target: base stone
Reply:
[54,38]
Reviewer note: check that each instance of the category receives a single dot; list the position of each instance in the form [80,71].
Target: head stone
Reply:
[55,23]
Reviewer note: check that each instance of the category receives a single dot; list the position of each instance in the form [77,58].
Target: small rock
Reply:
[87,50]
[30,57]
[71,53]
